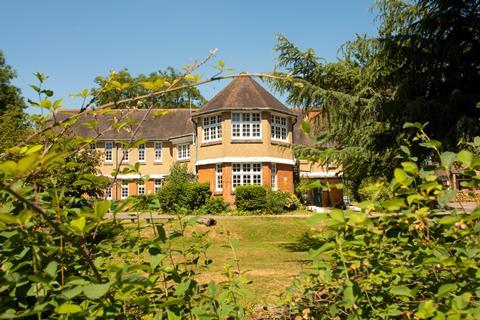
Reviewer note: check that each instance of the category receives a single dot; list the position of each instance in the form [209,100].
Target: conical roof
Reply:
[243,93]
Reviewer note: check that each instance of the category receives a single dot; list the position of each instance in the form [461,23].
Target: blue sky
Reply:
[74,41]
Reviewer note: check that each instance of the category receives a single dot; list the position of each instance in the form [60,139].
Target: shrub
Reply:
[215,205]
[251,198]
[280,201]
[372,189]
[182,191]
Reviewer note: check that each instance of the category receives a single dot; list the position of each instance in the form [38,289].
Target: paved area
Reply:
[157,216]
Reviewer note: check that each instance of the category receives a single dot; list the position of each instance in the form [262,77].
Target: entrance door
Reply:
[317,197]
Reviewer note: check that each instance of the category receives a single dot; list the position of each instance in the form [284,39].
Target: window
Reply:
[157,185]
[246,173]
[279,128]
[246,125]
[158,151]
[183,151]
[141,153]
[141,187]
[212,128]
[124,189]
[93,146]
[108,152]
[218,177]
[274,176]
[108,193]
[125,154]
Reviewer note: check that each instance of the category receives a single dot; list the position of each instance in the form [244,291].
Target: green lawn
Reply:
[264,250]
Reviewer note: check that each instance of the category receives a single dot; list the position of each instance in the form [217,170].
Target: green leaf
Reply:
[410,167]
[79,223]
[337,215]
[401,291]
[465,157]
[27,163]
[68,308]
[348,295]
[402,177]
[432,144]
[446,196]
[445,289]
[416,125]
[447,158]
[448,220]
[51,269]
[426,309]
[95,291]
[182,288]
[394,204]
[101,208]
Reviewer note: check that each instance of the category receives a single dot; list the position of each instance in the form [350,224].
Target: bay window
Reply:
[218,178]
[246,173]
[279,128]
[246,125]
[212,128]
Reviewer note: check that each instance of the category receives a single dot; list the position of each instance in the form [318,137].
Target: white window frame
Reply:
[243,176]
[141,153]
[157,184]
[108,152]
[218,178]
[212,128]
[125,186]
[141,187]
[279,127]
[238,119]
[157,151]
[109,193]
[183,151]
[274,176]
[125,154]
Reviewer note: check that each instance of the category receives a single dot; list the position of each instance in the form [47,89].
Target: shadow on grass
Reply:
[304,243]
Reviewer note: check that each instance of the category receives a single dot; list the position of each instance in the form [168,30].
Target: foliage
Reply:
[215,205]
[131,86]
[250,197]
[182,191]
[280,201]
[404,257]
[13,120]
[62,255]
[373,189]
[423,66]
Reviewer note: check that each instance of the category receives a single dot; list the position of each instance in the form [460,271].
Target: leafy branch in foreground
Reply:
[409,256]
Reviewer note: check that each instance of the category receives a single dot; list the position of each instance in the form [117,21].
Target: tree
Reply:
[423,67]
[12,117]
[141,84]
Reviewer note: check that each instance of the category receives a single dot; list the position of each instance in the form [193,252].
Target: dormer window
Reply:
[246,125]
[279,128]
[212,128]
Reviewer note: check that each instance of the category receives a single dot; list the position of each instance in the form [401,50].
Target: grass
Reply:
[266,252]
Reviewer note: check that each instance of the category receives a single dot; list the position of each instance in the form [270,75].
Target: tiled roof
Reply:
[157,126]
[243,93]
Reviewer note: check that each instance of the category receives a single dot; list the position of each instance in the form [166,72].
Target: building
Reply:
[243,135]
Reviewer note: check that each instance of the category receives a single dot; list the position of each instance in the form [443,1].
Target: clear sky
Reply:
[74,41]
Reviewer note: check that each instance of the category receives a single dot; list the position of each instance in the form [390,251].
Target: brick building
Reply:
[243,135]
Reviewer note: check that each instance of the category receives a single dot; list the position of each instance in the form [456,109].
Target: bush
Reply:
[371,189]
[280,201]
[182,191]
[215,205]
[251,198]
